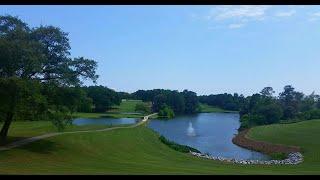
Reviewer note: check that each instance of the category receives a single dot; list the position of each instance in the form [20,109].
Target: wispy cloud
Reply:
[237,16]
[240,12]
[314,16]
[285,13]
[235,26]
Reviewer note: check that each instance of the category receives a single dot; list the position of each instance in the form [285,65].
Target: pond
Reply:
[208,132]
[104,121]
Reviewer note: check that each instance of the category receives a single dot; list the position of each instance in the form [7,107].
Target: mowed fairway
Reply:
[138,151]
[126,109]
[25,129]
[205,108]
[127,106]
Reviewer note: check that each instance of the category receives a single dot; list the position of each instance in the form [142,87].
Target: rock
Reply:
[292,159]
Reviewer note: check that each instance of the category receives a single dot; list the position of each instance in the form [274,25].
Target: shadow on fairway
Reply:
[42,146]
[11,139]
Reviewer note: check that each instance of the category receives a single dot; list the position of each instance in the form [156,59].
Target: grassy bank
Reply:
[303,134]
[139,151]
[205,108]
[126,109]
[25,129]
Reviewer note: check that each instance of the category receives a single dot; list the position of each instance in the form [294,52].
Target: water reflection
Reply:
[104,121]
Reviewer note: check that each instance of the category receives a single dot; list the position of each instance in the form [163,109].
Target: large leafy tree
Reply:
[102,97]
[191,101]
[158,102]
[267,91]
[290,101]
[36,56]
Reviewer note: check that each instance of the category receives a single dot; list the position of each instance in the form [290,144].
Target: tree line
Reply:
[225,101]
[169,102]
[290,105]
[265,108]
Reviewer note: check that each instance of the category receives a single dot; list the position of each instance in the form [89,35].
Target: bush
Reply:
[250,120]
[166,112]
[271,113]
[177,147]
[142,107]
[311,114]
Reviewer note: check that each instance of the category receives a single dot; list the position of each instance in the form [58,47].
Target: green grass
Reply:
[205,108]
[305,134]
[107,114]
[127,106]
[126,109]
[24,129]
[139,151]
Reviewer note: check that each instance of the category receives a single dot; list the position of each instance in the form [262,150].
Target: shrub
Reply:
[177,147]
[311,114]
[142,107]
[166,112]
[250,120]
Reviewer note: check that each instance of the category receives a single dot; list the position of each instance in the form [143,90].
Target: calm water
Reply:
[104,121]
[208,132]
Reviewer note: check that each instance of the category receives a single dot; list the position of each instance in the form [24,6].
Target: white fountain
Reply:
[191,131]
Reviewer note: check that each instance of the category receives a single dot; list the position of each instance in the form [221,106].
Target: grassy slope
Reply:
[208,109]
[305,134]
[138,151]
[25,129]
[125,106]
[116,111]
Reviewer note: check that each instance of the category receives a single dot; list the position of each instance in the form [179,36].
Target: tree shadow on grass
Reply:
[42,146]
[11,139]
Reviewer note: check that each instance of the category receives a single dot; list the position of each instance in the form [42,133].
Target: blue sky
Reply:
[206,49]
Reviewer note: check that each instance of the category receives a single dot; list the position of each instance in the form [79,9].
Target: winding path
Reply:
[36,138]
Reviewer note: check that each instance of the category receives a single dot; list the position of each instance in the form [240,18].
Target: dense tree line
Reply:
[184,102]
[142,108]
[125,95]
[264,108]
[102,98]
[225,101]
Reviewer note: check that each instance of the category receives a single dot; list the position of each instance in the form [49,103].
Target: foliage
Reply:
[142,107]
[35,64]
[224,101]
[290,101]
[185,102]
[125,95]
[165,112]
[311,114]
[291,105]
[102,97]
[191,101]
[177,147]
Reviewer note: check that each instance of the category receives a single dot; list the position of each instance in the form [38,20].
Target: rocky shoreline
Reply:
[293,152]
[242,140]
[292,159]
